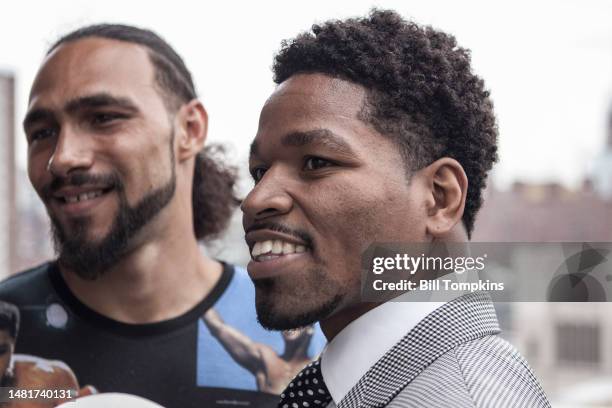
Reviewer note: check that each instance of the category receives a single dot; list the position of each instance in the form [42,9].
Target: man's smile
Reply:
[76,201]
[271,249]
[273,252]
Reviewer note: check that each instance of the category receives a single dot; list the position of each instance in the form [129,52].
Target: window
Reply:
[578,343]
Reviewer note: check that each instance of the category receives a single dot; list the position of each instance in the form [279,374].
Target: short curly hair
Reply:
[421,90]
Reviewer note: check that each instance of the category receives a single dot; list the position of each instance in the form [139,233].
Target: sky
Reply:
[548,64]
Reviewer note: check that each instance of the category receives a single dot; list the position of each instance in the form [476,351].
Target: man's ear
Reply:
[447,192]
[193,127]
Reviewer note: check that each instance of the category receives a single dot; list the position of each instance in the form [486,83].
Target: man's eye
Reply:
[104,118]
[42,134]
[315,163]
[257,173]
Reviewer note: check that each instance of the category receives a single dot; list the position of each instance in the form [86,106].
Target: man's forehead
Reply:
[320,89]
[92,62]
[308,107]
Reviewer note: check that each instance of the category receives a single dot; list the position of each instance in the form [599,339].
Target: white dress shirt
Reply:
[365,340]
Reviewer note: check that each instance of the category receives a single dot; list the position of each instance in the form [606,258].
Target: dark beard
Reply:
[89,259]
[273,317]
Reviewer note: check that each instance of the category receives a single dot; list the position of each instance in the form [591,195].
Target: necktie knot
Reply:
[306,390]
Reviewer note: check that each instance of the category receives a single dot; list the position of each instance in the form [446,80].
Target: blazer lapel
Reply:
[463,319]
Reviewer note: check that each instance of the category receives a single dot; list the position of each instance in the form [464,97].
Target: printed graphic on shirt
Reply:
[26,372]
[234,349]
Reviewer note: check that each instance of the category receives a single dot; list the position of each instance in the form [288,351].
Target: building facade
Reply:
[8,225]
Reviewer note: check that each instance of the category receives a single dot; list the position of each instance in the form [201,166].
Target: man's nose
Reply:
[73,151]
[269,197]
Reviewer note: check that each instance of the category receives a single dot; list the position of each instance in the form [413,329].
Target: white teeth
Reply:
[288,248]
[256,249]
[83,196]
[266,247]
[276,247]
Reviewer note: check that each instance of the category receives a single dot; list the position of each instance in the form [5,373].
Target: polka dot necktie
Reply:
[307,390]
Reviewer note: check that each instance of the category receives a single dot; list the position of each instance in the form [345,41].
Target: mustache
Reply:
[80,178]
[277,227]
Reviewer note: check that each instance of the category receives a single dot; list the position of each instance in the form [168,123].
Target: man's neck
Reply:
[334,324]
[296,352]
[157,281]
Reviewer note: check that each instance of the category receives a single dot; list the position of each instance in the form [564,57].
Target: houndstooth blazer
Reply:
[452,359]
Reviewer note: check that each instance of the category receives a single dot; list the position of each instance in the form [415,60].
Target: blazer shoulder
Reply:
[485,372]
[496,374]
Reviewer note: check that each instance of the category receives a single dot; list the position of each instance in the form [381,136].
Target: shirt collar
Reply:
[365,340]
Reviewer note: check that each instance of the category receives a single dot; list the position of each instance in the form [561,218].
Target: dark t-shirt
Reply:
[176,363]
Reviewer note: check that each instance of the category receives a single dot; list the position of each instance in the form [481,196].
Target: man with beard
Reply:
[115,135]
[371,136]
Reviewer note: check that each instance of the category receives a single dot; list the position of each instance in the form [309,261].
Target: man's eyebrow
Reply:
[316,136]
[324,137]
[37,115]
[100,100]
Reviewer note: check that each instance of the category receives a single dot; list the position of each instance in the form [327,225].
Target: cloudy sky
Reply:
[548,64]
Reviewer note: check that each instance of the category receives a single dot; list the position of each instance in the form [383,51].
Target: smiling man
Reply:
[115,137]
[378,131]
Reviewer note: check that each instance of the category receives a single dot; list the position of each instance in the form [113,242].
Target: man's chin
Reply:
[82,266]
[89,258]
[293,302]
[280,316]
[85,233]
